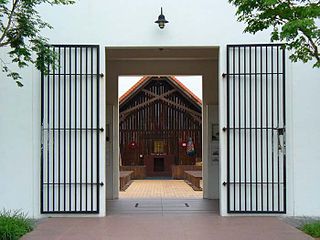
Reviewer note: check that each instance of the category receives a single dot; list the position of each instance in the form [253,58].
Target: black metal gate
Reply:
[256,158]
[70,131]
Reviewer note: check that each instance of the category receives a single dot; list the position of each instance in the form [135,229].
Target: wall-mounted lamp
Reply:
[183,144]
[161,20]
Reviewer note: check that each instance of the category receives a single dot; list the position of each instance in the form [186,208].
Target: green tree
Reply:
[20,31]
[294,22]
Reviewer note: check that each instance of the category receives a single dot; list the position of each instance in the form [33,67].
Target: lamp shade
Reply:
[161,20]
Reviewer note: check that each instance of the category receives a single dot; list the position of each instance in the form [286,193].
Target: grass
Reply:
[14,224]
[313,229]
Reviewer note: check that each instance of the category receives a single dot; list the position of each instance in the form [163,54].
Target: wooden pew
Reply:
[139,172]
[194,177]
[125,179]
[178,170]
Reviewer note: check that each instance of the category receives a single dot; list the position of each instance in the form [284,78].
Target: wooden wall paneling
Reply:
[159,112]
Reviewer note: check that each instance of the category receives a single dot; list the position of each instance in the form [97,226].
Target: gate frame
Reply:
[226,129]
[98,129]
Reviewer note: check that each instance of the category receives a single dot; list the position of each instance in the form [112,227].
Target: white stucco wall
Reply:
[17,162]
[131,23]
[305,137]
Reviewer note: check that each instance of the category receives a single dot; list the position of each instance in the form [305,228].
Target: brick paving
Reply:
[165,227]
[165,189]
[164,214]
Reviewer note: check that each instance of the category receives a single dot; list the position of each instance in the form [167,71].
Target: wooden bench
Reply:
[139,172]
[125,179]
[178,170]
[194,177]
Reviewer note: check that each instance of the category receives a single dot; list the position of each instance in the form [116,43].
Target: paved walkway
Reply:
[157,189]
[164,210]
[165,227]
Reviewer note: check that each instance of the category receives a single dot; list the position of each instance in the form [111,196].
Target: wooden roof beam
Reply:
[125,113]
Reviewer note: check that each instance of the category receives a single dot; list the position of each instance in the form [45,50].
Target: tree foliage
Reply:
[20,30]
[295,22]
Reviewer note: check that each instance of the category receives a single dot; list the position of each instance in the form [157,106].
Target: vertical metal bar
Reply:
[98,125]
[234,132]
[245,128]
[284,133]
[91,95]
[278,122]
[70,127]
[59,132]
[81,106]
[86,129]
[53,133]
[42,143]
[239,104]
[272,122]
[48,141]
[267,129]
[261,124]
[250,124]
[256,120]
[228,128]
[75,127]
[64,127]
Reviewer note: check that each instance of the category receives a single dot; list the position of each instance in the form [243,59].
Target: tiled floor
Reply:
[160,189]
[162,206]
[160,197]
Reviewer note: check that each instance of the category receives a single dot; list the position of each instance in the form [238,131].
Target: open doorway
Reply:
[160,137]
[163,62]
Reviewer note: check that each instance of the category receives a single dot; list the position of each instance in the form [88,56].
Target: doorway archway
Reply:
[167,61]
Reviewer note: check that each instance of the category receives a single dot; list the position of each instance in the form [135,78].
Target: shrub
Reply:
[14,224]
[313,229]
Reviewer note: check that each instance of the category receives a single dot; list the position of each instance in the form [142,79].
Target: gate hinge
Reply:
[280,131]
[224,75]
[101,184]
[101,75]
[224,183]
[224,129]
[101,129]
